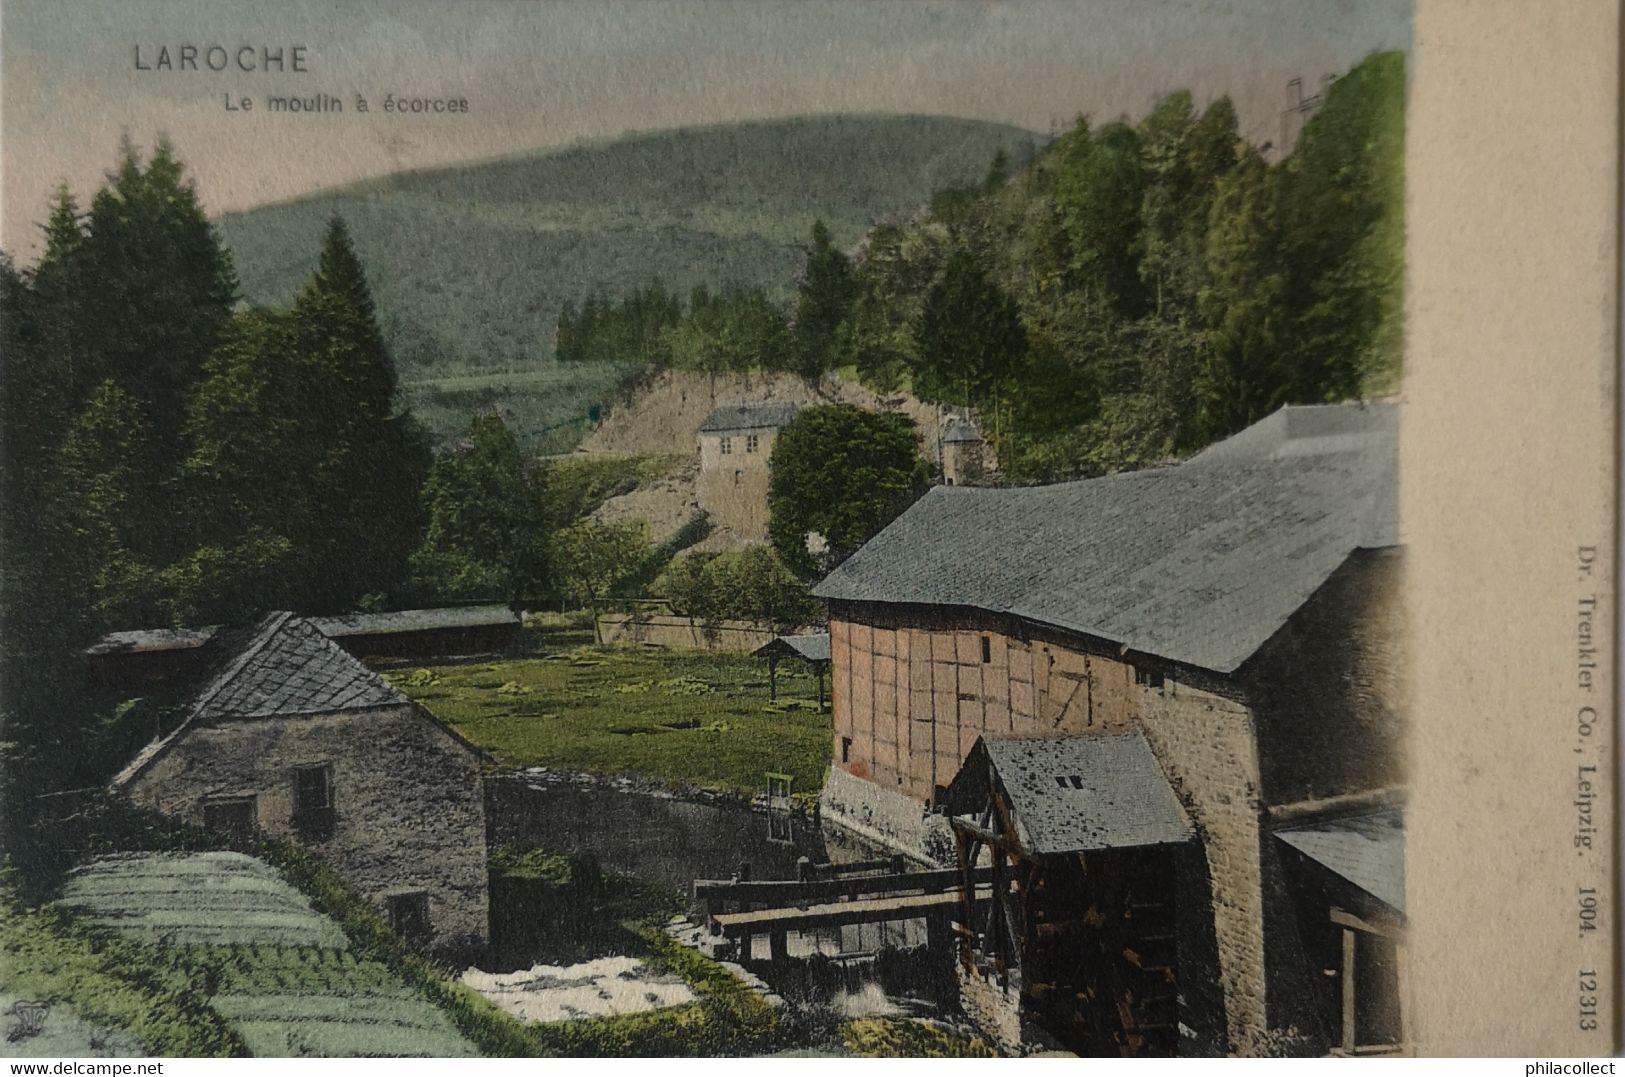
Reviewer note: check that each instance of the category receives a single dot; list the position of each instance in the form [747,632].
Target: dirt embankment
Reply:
[663,415]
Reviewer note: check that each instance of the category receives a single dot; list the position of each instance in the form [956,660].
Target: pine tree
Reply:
[365,518]
[157,289]
[825,299]
[485,531]
[971,341]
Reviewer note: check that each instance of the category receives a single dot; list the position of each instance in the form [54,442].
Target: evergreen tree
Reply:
[971,342]
[365,513]
[485,529]
[824,300]
[43,614]
[156,290]
[1245,372]
[105,475]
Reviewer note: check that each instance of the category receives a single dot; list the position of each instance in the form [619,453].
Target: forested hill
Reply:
[470,265]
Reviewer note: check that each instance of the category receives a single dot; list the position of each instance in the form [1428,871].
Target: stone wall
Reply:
[1205,743]
[1327,688]
[692,633]
[409,802]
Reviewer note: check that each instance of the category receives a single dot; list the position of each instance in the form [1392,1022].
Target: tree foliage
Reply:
[169,459]
[843,474]
[752,585]
[591,557]
[485,528]
[822,304]
[1170,284]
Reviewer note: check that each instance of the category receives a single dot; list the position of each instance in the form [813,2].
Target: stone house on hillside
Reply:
[288,735]
[735,443]
[1236,615]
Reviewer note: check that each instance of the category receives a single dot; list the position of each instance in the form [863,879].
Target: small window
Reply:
[778,786]
[846,749]
[727,446]
[751,443]
[233,817]
[1147,677]
[987,650]
[739,477]
[313,796]
[1064,781]
[409,914]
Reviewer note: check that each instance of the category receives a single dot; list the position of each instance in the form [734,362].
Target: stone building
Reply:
[735,443]
[287,735]
[1240,613]
[965,457]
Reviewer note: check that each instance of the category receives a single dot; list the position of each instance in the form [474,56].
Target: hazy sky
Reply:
[540,74]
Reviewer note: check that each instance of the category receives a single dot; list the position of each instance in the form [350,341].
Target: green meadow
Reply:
[687,719]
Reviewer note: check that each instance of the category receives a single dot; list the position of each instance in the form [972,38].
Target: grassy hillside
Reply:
[471,264]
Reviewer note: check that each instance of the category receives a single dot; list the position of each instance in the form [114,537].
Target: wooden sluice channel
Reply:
[834,896]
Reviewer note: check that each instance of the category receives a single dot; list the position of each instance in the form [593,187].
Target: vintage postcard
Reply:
[837,529]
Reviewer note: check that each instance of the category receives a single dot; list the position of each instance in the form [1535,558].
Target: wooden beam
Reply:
[1349,940]
[976,832]
[838,913]
[1349,920]
[797,892]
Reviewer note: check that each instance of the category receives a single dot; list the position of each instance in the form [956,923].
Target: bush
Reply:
[754,585]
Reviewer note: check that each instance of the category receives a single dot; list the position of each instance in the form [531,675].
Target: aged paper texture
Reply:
[857,529]
[1509,463]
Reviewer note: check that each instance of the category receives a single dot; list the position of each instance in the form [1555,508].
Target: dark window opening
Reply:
[727,446]
[1147,677]
[1064,780]
[233,817]
[987,650]
[313,797]
[409,914]
[846,749]
[751,443]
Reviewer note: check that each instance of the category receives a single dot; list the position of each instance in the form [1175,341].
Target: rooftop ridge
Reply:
[273,624]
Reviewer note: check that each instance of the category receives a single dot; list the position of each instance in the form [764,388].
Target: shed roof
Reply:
[747,417]
[813,646]
[1368,850]
[369,624]
[1199,563]
[1074,794]
[151,640]
[281,666]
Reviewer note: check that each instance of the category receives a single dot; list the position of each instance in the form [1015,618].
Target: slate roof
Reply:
[813,646]
[1367,850]
[747,417]
[281,666]
[1199,563]
[1074,794]
[369,624]
[960,428]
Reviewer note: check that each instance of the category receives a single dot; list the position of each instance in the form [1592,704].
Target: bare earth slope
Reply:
[663,416]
